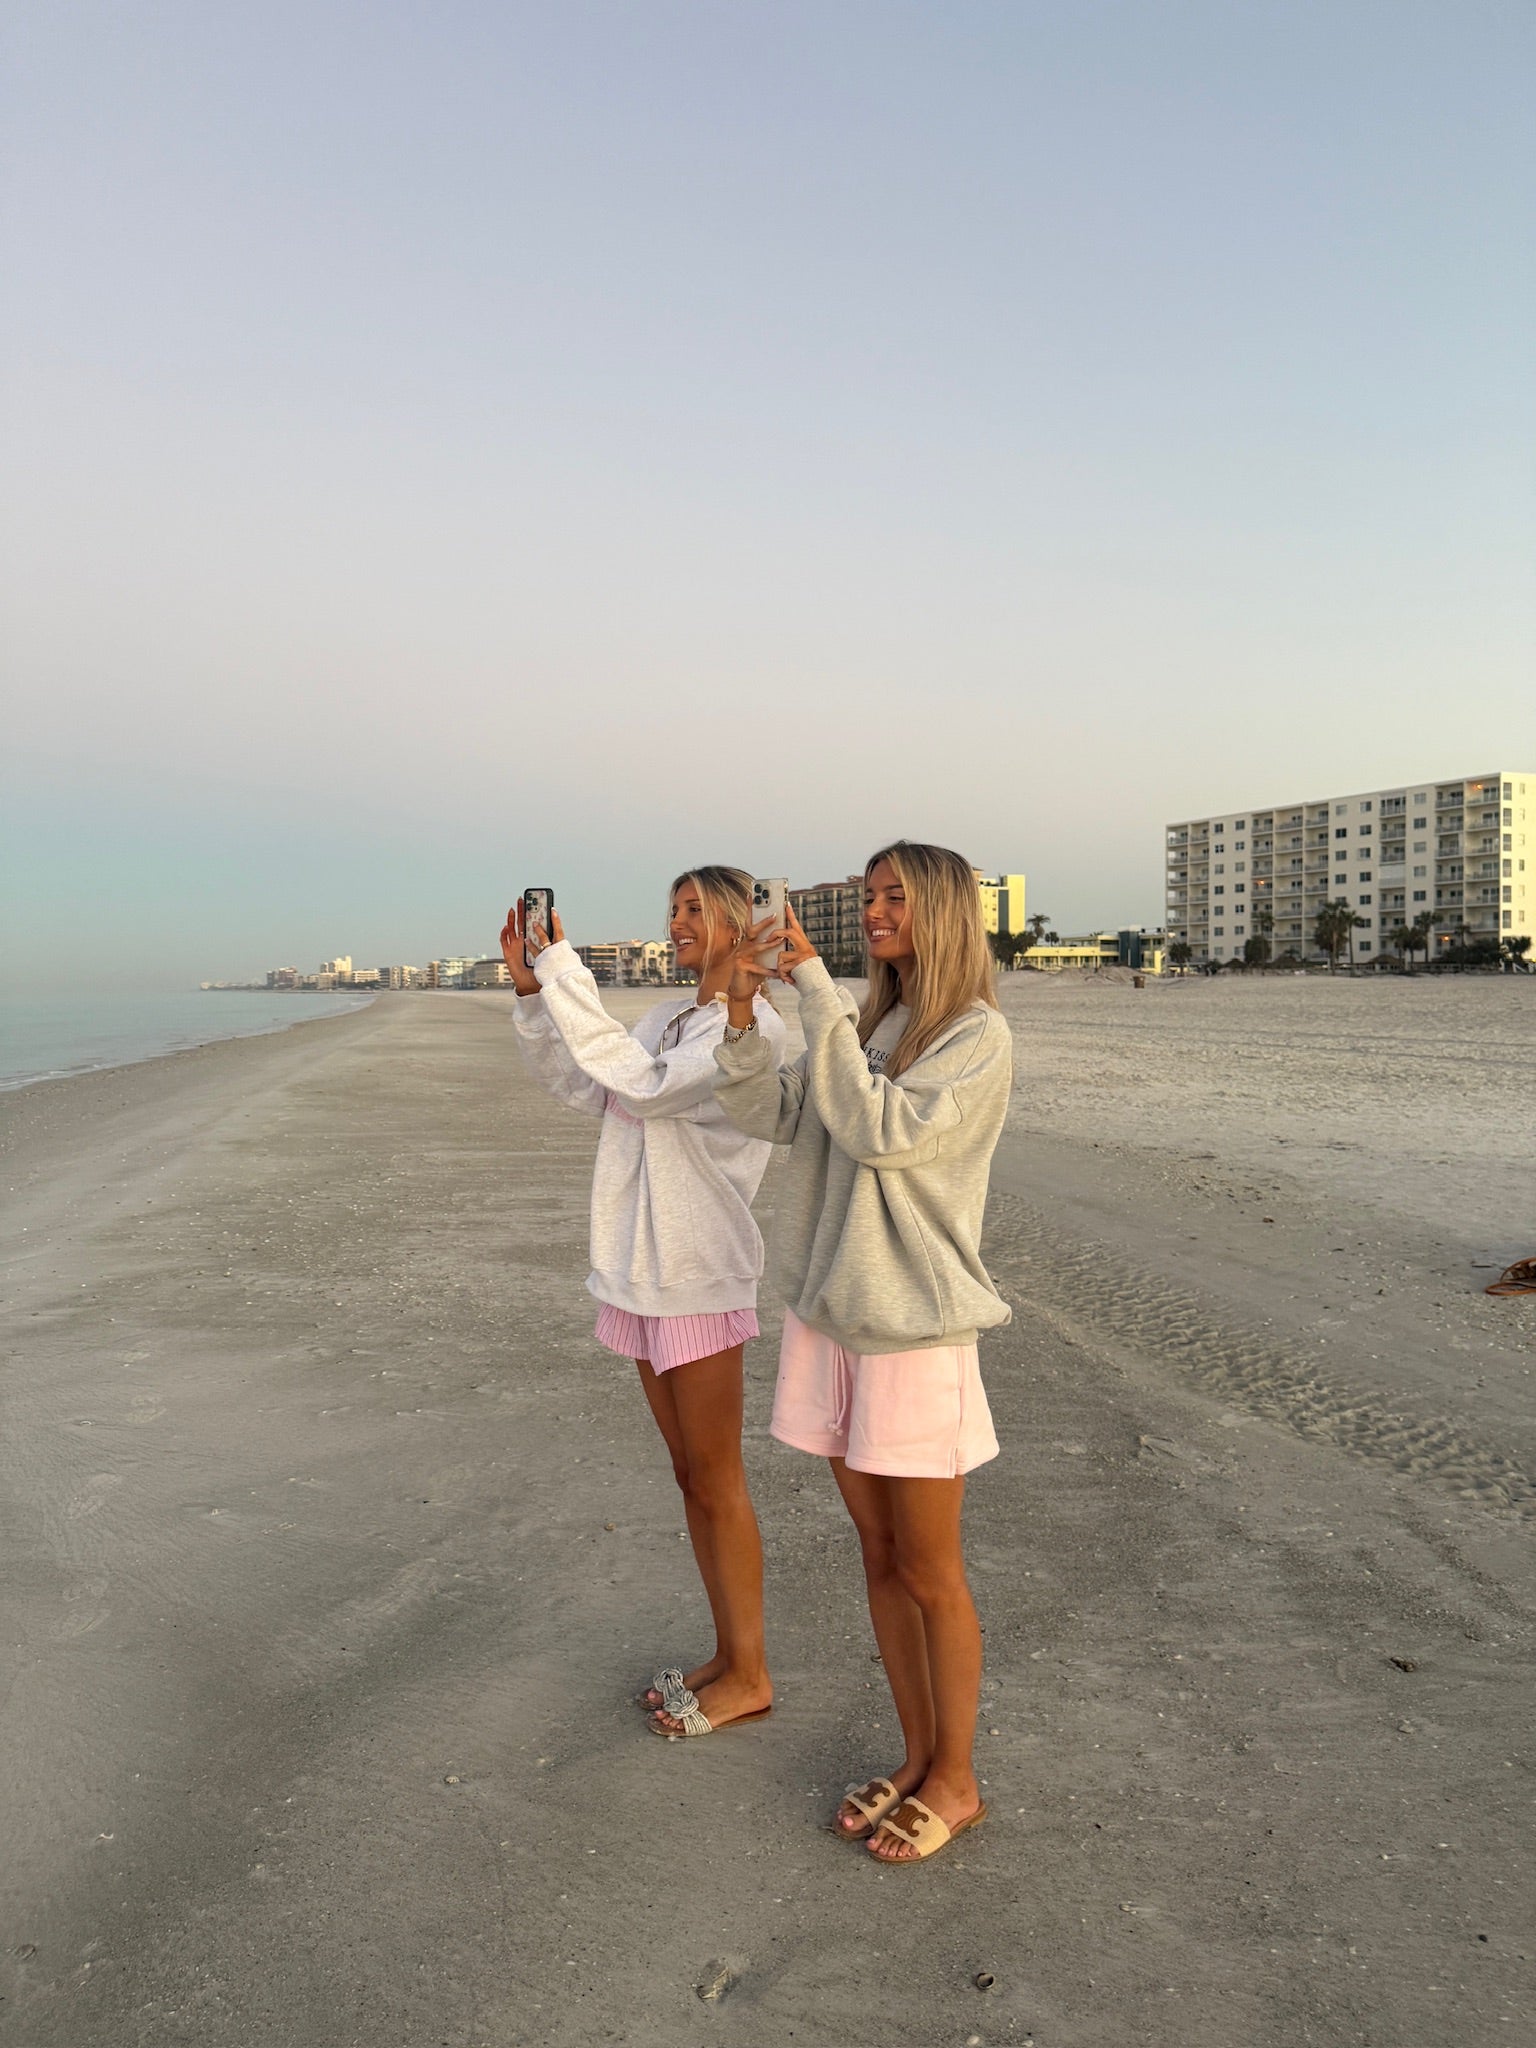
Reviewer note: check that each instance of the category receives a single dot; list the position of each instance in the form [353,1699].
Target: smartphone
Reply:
[770,898]
[538,909]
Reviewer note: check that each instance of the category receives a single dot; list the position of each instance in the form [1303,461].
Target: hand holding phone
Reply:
[770,899]
[538,921]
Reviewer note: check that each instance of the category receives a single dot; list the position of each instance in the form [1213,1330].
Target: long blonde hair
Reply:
[726,894]
[952,967]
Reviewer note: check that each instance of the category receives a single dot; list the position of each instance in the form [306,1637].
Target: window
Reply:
[1365,831]
[1339,810]
[1419,895]
[1365,945]
[1421,871]
[1507,868]
[1509,918]
[1341,831]
[1422,797]
[1421,845]
[1220,889]
[1366,805]
[1217,932]
[1238,888]
[1509,790]
[1218,869]
[1239,867]
[1238,826]
[1509,840]
[1509,817]
[1364,875]
[1364,902]
[1508,896]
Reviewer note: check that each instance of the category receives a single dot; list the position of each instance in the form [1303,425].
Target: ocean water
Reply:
[44,1037]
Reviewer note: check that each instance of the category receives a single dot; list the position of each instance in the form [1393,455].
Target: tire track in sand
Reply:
[1092,1286]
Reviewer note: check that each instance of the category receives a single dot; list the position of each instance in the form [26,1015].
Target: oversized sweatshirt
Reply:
[877,1222]
[672,1226]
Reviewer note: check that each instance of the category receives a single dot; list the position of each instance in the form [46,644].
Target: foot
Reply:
[695,1680]
[850,1823]
[727,1699]
[952,1799]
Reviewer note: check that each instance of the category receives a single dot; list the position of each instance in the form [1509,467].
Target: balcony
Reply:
[1449,802]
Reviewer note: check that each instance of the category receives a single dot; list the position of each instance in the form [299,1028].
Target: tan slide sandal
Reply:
[921,1829]
[874,1801]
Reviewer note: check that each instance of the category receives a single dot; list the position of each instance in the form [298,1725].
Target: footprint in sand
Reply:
[145,1409]
[86,1602]
[93,1495]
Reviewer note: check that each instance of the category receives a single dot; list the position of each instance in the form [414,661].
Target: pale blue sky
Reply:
[477,444]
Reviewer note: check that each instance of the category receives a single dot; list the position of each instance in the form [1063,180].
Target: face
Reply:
[887,915]
[688,929]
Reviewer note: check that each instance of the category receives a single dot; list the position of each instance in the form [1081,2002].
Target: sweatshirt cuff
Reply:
[749,1054]
[556,962]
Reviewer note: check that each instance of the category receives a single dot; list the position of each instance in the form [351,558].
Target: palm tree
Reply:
[1180,953]
[1404,939]
[1335,929]
[1515,950]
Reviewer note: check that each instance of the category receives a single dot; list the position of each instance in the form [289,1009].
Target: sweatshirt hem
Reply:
[698,1298]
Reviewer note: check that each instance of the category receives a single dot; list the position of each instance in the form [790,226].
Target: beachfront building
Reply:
[832,916]
[1133,946]
[1002,902]
[630,963]
[1460,850]
[489,974]
[450,972]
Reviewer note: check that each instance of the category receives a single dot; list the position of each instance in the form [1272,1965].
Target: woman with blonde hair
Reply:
[676,1255]
[891,1117]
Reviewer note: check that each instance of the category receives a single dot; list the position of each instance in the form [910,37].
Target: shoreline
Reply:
[18,1084]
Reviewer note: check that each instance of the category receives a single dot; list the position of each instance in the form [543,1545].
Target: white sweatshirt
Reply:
[672,1228]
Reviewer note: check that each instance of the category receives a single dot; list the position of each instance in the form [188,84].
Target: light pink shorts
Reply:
[906,1414]
[668,1341]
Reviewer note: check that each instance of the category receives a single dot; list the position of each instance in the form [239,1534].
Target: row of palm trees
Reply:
[1009,948]
[1334,934]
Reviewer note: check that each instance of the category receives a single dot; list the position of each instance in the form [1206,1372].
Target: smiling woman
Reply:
[676,1254]
[891,1118]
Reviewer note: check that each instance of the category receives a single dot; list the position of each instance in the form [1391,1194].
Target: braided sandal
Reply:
[664,1688]
[874,1801]
[1520,1278]
[921,1829]
[684,1706]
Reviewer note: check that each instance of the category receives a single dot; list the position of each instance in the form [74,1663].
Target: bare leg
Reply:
[657,1387]
[925,1516]
[899,1631]
[707,1401]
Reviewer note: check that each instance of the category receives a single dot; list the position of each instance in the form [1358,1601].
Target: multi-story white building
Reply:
[1457,850]
[630,963]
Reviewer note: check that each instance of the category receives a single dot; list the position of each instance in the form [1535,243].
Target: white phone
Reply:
[770,898]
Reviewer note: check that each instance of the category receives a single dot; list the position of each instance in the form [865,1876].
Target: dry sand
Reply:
[334,1550]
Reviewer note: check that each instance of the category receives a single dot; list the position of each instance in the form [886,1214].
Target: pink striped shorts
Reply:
[668,1341]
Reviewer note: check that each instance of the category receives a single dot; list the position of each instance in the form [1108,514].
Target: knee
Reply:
[680,1474]
[934,1583]
[715,1485]
[879,1554]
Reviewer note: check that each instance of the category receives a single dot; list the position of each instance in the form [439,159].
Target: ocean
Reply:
[45,1037]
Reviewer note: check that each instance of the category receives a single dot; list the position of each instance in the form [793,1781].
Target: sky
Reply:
[465,446]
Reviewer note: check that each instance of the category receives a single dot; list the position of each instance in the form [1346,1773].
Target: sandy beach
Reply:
[335,1550]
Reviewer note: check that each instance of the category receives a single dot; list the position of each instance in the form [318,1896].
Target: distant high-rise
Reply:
[1457,850]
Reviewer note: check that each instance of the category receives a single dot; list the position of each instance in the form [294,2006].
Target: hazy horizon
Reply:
[531,444]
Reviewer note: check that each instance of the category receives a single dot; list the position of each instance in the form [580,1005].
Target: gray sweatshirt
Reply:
[877,1222]
[672,1226]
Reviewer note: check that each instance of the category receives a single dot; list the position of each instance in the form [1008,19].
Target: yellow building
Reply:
[1002,902]
[1142,950]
